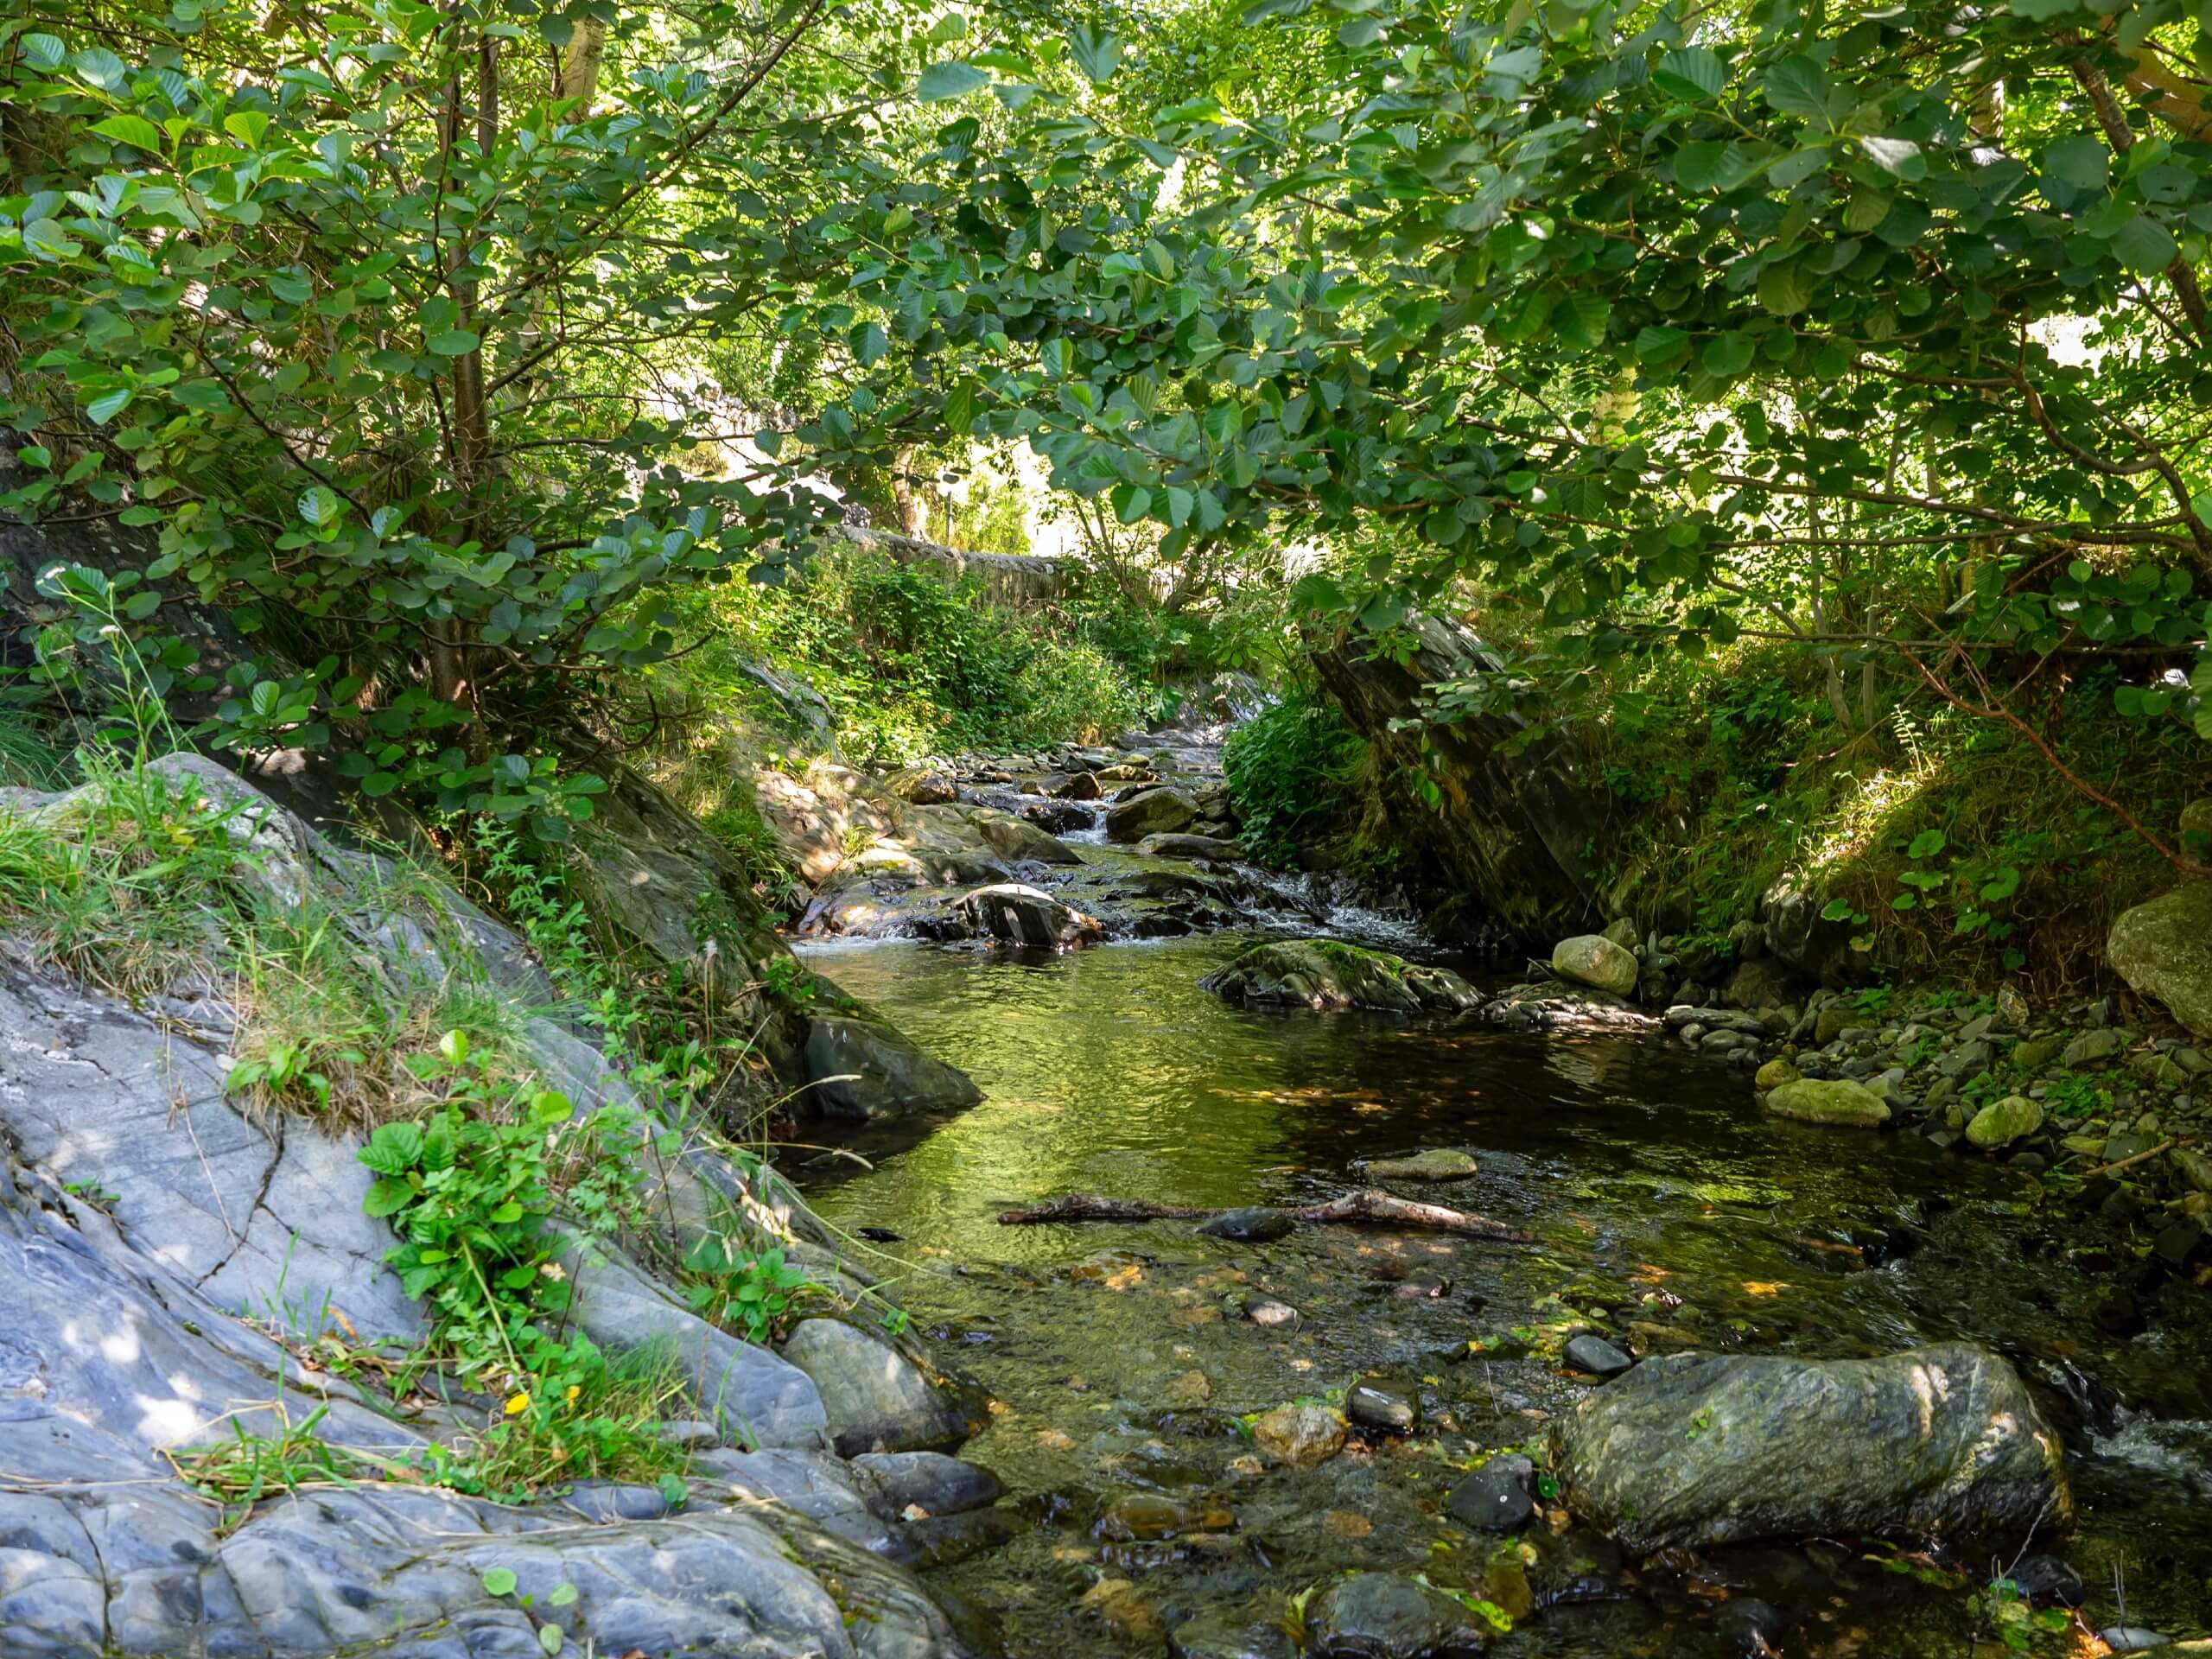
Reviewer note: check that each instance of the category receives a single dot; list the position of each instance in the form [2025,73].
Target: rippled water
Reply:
[1120,1356]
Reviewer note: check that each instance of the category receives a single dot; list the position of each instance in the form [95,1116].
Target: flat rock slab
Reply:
[1441,1164]
[1323,973]
[1706,1449]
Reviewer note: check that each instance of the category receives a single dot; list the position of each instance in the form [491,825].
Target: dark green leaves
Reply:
[1798,86]
[1098,52]
[2080,161]
[2143,245]
[1694,73]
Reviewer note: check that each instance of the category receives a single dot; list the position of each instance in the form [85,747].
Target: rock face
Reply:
[125,1333]
[1328,974]
[863,1068]
[2163,949]
[1517,816]
[1836,1101]
[1160,812]
[1594,960]
[877,1399]
[1015,914]
[1937,1441]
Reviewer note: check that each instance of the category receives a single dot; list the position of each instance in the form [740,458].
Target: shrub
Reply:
[1292,769]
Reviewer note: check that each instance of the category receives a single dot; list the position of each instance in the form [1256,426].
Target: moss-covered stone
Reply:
[1837,1103]
[1329,974]
[2002,1121]
[2163,949]
[1594,960]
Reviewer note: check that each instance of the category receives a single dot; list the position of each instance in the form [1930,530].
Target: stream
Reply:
[1669,1212]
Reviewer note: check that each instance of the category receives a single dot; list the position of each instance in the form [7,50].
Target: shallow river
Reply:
[1119,1358]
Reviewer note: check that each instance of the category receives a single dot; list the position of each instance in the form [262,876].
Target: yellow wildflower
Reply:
[517,1403]
[573,1392]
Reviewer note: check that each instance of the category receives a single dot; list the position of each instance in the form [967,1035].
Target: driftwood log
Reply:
[1370,1205]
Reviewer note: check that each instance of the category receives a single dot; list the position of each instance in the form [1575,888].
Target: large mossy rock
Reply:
[660,880]
[1837,1101]
[1386,1615]
[2163,949]
[1594,960]
[1519,818]
[1329,974]
[1707,1449]
[1161,812]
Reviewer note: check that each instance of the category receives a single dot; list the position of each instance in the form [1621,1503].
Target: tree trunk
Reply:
[1368,1204]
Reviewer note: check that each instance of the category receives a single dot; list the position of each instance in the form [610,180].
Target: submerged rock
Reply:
[1700,1449]
[1372,1406]
[2163,949]
[1253,1224]
[1385,1616]
[1232,1633]
[1304,1437]
[897,1481]
[1329,974]
[1144,1515]
[1016,914]
[1838,1101]
[1500,1497]
[1593,959]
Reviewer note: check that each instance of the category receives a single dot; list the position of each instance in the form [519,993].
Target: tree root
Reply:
[1369,1204]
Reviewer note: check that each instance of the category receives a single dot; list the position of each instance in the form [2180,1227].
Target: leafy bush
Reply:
[1292,769]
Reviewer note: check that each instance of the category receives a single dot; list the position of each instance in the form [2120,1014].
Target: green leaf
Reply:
[950,80]
[320,505]
[1659,342]
[44,51]
[1899,157]
[2079,160]
[135,131]
[106,407]
[562,1595]
[387,1197]
[1926,844]
[1098,52]
[1786,288]
[2145,247]
[454,342]
[868,344]
[1707,165]
[1694,73]
[500,1581]
[550,1637]
[1798,86]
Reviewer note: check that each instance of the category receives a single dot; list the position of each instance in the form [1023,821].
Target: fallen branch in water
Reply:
[2119,1164]
[1370,1205]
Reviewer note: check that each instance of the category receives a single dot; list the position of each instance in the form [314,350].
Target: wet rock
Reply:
[2050,1579]
[1076,786]
[1134,1517]
[1500,1497]
[1060,817]
[1304,1437]
[1189,846]
[941,1539]
[1268,1311]
[1593,959]
[1440,1163]
[2193,1167]
[1750,1626]
[1762,983]
[1187,1390]
[1774,1073]
[2164,949]
[895,1482]
[882,1074]
[1389,1410]
[1156,811]
[2011,1013]
[1934,1441]
[877,1399]
[1232,1633]
[2002,1121]
[1383,1616]
[1329,974]
[1016,914]
[1253,1224]
[1841,1103]
[1596,1357]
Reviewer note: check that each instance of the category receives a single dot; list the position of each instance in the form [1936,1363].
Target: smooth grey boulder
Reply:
[1019,841]
[930,1480]
[1707,1449]
[1329,974]
[1190,846]
[878,1400]
[861,1067]
[1500,1497]
[1156,811]
[2164,949]
[1015,914]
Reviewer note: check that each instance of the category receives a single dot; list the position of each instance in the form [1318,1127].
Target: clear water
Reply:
[1119,1357]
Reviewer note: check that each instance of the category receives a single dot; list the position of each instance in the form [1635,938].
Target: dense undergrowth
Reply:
[1949,844]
